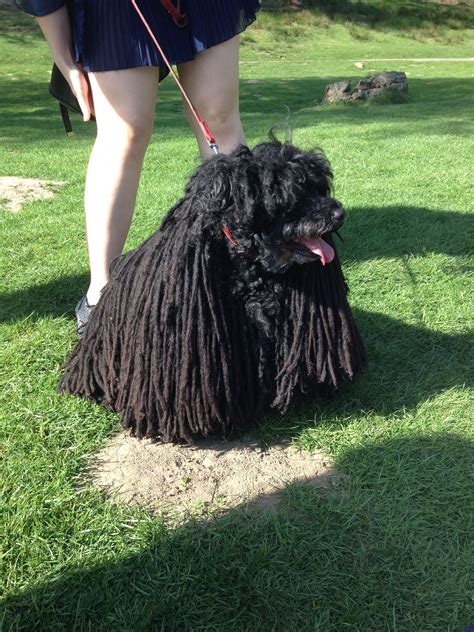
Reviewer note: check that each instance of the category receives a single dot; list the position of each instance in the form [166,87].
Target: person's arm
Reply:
[39,7]
[53,20]
[57,31]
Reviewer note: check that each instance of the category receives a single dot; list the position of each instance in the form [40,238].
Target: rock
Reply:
[339,91]
[368,87]
[384,81]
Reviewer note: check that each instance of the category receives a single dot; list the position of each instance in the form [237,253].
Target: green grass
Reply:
[392,549]
[414,18]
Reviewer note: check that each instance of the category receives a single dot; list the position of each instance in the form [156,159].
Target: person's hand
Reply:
[79,84]
[57,31]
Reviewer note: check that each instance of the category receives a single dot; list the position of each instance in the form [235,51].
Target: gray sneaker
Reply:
[83,313]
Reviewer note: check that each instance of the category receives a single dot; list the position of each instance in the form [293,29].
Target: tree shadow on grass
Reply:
[390,232]
[54,298]
[394,16]
[436,106]
[407,366]
[17,27]
[398,231]
[388,550]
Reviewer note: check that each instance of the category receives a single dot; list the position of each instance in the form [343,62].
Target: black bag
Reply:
[58,85]
[61,91]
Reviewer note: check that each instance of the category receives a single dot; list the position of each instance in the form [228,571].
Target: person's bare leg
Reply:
[211,81]
[124,103]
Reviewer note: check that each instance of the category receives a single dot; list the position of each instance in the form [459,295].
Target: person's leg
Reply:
[211,81]
[124,104]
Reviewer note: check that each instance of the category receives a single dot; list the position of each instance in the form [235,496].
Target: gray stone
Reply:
[368,87]
[337,92]
[385,81]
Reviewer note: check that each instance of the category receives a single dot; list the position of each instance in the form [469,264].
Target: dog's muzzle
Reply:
[310,249]
[306,247]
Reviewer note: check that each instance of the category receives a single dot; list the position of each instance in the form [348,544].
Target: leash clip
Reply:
[214,147]
[180,19]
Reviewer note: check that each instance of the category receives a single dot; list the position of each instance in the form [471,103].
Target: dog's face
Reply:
[273,204]
[300,206]
[298,236]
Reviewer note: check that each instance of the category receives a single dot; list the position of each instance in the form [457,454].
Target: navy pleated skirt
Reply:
[109,35]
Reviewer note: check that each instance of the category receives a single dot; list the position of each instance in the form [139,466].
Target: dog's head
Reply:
[273,204]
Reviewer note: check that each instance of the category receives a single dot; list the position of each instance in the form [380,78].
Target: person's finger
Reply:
[81,89]
[88,90]
[91,100]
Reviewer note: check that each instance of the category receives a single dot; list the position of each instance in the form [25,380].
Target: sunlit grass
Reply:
[391,549]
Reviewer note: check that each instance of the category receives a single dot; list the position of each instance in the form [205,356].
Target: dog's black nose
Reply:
[338,213]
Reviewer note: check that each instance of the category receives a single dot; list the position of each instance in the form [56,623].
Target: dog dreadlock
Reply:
[198,331]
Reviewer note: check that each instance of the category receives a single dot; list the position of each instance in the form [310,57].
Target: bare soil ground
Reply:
[15,192]
[212,474]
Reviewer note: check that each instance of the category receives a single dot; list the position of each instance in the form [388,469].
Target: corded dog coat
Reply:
[236,305]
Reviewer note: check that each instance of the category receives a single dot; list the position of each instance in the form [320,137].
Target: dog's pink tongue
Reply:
[320,248]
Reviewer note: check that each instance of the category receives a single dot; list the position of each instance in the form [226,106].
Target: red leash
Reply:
[181,20]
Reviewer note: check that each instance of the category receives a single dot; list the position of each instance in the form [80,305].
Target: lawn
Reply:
[391,549]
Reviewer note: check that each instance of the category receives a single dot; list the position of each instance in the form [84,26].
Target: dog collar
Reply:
[226,232]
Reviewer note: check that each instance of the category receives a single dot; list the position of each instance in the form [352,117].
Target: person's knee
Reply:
[129,137]
[137,138]
[222,120]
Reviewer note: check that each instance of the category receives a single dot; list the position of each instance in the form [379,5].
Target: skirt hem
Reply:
[147,64]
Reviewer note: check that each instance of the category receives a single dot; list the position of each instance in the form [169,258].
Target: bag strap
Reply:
[66,120]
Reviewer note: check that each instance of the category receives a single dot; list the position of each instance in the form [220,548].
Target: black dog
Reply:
[236,305]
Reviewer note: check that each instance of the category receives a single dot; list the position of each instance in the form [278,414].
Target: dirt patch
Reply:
[14,192]
[212,474]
